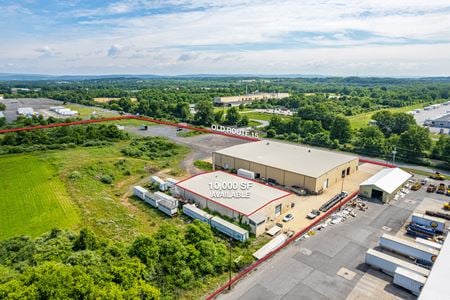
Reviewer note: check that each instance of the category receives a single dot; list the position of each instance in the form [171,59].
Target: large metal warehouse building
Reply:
[287,164]
[259,204]
[385,184]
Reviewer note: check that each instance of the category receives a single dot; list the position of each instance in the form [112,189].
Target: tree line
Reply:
[64,265]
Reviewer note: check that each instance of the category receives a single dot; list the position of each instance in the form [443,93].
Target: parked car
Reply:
[314,213]
[424,181]
[288,217]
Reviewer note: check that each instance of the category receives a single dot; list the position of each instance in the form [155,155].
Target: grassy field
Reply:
[63,189]
[263,116]
[362,120]
[85,112]
[33,198]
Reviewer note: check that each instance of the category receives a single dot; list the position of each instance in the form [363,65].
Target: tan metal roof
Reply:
[308,161]
[259,195]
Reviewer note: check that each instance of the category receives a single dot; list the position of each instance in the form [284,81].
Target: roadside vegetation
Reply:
[203,165]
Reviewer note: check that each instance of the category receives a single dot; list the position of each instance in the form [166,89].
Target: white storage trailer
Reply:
[438,224]
[166,197]
[140,192]
[152,199]
[429,243]
[409,280]
[196,213]
[162,184]
[422,253]
[229,229]
[388,263]
[167,207]
[246,173]
[170,182]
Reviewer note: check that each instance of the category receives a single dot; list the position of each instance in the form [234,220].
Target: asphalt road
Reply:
[308,269]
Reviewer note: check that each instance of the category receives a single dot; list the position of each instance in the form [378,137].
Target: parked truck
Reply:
[409,280]
[441,189]
[435,223]
[437,176]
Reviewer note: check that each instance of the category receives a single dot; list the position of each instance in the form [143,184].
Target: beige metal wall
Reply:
[334,176]
[285,177]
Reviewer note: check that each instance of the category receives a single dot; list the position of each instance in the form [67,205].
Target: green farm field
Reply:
[63,189]
[263,116]
[33,198]
[361,120]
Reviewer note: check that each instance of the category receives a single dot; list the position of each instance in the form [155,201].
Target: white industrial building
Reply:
[61,110]
[25,111]
[246,201]
[435,287]
[249,98]
[385,184]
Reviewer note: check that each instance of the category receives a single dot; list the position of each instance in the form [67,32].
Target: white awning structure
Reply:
[388,180]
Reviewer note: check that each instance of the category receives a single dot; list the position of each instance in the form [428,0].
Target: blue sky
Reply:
[336,37]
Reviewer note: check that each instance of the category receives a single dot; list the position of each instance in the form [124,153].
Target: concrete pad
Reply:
[258,292]
[333,287]
[303,292]
[346,273]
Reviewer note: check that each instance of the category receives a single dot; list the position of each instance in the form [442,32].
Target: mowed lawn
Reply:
[361,120]
[33,199]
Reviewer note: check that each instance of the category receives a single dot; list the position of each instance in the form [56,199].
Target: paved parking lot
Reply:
[331,264]
[432,114]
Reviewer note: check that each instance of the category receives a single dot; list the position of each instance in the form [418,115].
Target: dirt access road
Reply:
[201,145]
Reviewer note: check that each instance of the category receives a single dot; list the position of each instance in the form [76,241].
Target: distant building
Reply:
[25,111]
[237,100]
[443,122]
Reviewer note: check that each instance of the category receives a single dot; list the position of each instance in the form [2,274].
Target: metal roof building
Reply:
[384,184]
[436,284]
[288,164]
[236,197]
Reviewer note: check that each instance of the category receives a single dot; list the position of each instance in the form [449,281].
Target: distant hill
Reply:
[46,77]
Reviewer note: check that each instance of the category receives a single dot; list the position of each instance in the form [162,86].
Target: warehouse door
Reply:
[277,210]
[376,194]
[325,184]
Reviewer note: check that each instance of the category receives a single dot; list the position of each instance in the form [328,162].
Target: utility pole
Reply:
[229,268]
[393,155]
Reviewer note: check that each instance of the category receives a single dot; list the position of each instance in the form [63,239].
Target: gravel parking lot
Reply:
[202,145]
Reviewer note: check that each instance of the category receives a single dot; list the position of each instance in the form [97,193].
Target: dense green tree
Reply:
[371,141]
[205,113]
[232,117]
[414,142]
[340,129]
[86,240]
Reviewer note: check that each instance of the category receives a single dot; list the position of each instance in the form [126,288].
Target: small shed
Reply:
[385,184]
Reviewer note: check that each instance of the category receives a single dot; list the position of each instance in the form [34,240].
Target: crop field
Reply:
[33,198]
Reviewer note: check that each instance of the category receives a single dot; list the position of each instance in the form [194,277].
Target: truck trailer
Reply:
[388,263]
[423,254]
[409,280]
[437,224]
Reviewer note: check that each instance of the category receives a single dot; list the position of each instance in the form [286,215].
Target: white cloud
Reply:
[275,36]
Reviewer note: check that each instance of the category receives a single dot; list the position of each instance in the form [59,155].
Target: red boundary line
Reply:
[379,163]
[287,242]
[146,119]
